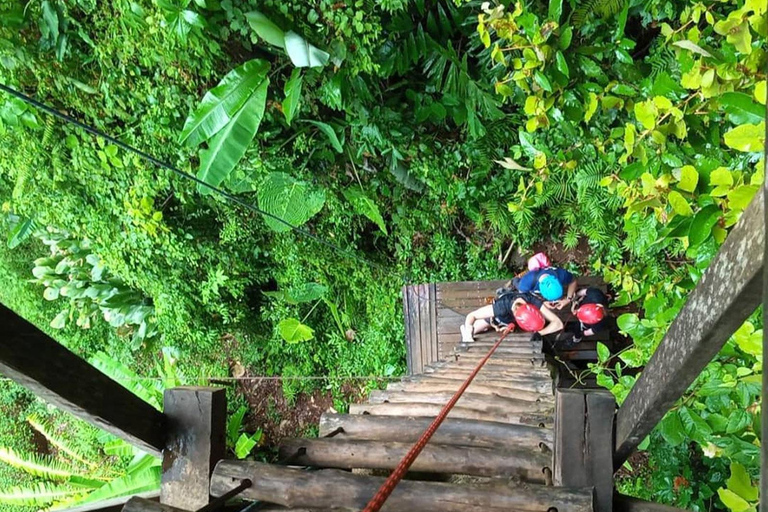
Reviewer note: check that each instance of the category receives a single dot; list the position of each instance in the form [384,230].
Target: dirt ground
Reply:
[277,418]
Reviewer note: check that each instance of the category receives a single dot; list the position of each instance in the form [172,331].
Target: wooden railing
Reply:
[729,291]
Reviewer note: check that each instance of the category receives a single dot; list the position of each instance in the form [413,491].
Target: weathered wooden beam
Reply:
[453,431]
[622,503]
[475,387]
[728,292]
[114,504]
[330,488]
[513,461]
[475,401]
[499,415]
[455,379]
[197,422]
[39,363]
[136,504]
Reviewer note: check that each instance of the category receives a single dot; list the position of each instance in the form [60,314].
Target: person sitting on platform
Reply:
[591,308]
[550,283]
[523,310]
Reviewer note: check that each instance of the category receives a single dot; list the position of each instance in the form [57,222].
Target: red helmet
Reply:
[591,313]
[538,261]
[529,318]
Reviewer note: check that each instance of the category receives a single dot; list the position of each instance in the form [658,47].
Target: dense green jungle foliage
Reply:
[428,139]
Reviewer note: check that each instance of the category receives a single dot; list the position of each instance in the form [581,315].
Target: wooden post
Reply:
[728,292]
[39,363]
[197,422]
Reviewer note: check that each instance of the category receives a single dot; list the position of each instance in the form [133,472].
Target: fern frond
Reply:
[35,465]
[39,494]
[46,431]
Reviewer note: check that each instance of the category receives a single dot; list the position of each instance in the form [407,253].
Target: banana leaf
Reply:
[223,102]
[229,145]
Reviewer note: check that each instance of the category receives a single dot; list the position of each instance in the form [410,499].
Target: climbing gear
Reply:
[538,261]
[388,486]
[550,288]
[590,313]
[466,334]
[529,318]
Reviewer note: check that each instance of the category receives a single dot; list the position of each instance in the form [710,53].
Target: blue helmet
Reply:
[550,287]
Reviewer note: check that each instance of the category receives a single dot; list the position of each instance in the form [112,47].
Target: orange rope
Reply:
[387,487]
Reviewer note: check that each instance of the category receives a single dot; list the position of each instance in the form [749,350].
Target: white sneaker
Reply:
[466,337]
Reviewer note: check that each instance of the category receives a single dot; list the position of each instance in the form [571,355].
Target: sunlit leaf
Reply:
[289,200]
[293,331]
[265,29]
[302,53]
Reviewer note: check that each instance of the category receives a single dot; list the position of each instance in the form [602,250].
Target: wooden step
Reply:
[512,461]
[523,370]
[480,402]
[461,349]
[452,432]
[512,360]
[535,384]
[487,414]
[475,387]
[330,488]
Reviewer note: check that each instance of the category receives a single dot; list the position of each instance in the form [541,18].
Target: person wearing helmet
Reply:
[523,310]
[556,285]
[591,309]
[538,261]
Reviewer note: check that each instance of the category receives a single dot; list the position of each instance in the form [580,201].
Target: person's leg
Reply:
[480,326]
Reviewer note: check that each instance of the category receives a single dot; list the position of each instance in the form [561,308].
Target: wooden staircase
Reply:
[496,451]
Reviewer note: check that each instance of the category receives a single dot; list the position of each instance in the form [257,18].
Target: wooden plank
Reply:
[453,431]
[343,453]
[415,346]
[500,415]
[37,362]
[408,330]
[601,406]
[475,387]
[425,324]
[197,423]
[112,505]
[728,292]
[435,349]
[570,441]
[477,401]
[330,488]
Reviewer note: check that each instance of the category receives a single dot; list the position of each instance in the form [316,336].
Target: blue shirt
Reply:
[530,280]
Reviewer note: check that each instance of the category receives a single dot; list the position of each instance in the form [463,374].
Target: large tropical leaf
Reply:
[364,205]
[133,483]
[308,292]
[265,29]
[292,95]
[229,145]
[146,389]
[302,53]
[39,494]
[223,102]
[287,199]
[293,331]
[37,465]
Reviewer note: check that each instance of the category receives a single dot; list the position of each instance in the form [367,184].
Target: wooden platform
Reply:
[434,313]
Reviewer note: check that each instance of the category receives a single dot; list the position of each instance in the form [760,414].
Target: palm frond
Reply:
[39,494]
[36,465]
[44,428]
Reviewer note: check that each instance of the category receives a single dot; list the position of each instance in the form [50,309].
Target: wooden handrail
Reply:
[728,292]
[52,372]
